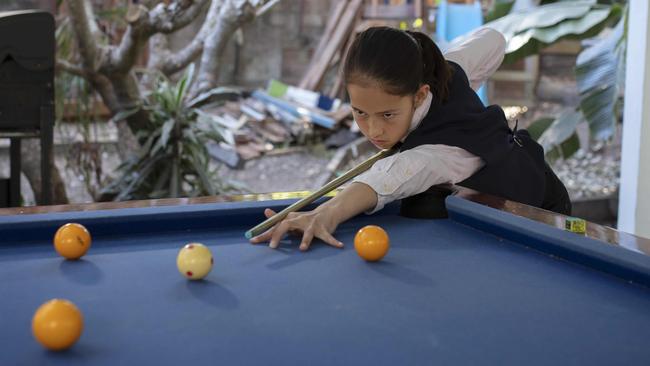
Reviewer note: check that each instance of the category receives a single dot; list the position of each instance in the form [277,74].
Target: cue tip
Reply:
[248,234]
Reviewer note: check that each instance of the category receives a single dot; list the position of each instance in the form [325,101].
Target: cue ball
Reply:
[371,243]
[72,241]
[57,324]
[194,261]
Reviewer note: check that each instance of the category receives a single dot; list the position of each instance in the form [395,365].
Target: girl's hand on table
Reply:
[317,223]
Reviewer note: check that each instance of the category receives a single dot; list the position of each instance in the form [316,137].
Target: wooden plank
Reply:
[336,88]
[344,28]
[332,22]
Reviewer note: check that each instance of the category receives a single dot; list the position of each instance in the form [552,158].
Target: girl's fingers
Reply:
[268,213]
[307,237]
[329,239]
[278,234]
[293,225]
[265,236]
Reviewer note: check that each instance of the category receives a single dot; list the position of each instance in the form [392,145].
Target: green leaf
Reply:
[124,114]
[600,75]
[597,72]
[146,147]
[170,164]
[565,150]
[551,34]
[166,131]
[162,179]
[560,130]
[185,83]
[210,127]
[201,171]
[553,152]
[142,175]
[539,17]
[555,149]
[216,95]
[570,146]
[534,39]
[499,9]
[529,31]
[598,108]
[537,128]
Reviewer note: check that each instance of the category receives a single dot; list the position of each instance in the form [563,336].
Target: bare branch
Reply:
[174,62]
[144,23]
[68,67]
[86,31]
[92,24]
[103,86]
[170,18]
[265,7]
[232,15]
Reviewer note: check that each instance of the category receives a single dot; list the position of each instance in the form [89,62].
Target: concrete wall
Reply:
[277,45]
[634,199]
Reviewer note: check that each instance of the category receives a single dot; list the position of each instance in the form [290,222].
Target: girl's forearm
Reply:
[353,200]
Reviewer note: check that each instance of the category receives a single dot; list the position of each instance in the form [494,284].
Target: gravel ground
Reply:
[287,172]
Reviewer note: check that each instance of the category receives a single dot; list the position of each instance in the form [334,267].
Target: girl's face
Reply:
[382,117]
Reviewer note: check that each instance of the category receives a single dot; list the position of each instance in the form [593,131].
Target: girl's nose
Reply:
[374,129]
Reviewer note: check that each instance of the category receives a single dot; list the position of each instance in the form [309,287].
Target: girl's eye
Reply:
[359,113]
[388,115]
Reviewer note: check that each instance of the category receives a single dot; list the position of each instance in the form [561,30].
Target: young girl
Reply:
[405,93]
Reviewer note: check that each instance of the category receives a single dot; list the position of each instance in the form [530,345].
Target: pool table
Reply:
[495,283]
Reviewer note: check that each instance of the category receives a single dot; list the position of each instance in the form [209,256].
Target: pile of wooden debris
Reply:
[277,120]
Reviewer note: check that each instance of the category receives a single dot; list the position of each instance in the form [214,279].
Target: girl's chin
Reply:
[381,145]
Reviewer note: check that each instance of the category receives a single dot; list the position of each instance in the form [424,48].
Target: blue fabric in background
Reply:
[454,20]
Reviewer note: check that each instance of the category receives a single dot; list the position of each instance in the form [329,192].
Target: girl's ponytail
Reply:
[436,72]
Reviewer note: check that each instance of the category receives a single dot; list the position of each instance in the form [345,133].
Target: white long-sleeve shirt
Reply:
[414,171]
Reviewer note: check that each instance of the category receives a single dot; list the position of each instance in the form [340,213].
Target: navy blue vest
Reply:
[514,169]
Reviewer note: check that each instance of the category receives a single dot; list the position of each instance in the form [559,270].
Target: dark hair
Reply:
[400,61]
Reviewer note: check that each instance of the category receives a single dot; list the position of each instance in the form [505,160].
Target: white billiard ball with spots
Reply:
[194,261]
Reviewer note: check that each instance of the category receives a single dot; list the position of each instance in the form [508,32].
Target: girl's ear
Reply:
[421,94]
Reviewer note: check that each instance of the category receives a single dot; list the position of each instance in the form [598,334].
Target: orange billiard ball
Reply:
[57,324]
[72,241]
[371,243]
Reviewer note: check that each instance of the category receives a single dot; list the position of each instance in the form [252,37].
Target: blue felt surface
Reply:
[447,294]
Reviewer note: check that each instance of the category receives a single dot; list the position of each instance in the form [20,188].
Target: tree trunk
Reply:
[231,17]
[31,167]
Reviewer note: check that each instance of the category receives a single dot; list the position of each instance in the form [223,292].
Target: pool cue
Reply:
[271,221]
